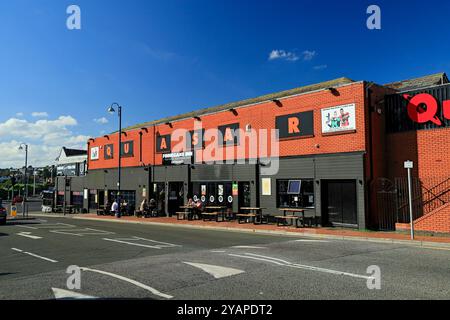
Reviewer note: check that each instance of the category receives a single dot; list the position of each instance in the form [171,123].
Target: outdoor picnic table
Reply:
[188,210]
[293,212]
[216,211]
[257,211]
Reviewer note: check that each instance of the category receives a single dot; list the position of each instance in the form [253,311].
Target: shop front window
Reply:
[295,193]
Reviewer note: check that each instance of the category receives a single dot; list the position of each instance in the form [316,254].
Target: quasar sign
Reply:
[423,108]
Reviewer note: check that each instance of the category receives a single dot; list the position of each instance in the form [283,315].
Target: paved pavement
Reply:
[120,260]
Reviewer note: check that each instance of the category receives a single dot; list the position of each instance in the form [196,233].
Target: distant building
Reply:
[71,162]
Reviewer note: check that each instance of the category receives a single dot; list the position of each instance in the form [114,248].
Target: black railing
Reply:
[425,200]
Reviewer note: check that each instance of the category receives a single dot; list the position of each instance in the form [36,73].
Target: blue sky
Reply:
[160,58]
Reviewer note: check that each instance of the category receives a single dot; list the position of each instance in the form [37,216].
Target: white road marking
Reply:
[49,226]
[434,248]
[248,247]
[310,240]
[218,251]
[82,232]
[133,242]
[134,282]
[217,272]
[284,263]
[28,235]
[34,255]
[255,258]
[61,294]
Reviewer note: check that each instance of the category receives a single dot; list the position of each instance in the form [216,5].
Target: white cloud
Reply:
[19,114]
[283,55]
[320,67]
[102,120]
[39,114]
[308,55]
[44,137]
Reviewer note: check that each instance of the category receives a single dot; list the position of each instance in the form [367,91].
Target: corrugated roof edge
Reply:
[246,102]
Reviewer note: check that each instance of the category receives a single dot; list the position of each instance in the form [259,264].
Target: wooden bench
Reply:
[245,216]
[181,215]
[285,218]
[210,216]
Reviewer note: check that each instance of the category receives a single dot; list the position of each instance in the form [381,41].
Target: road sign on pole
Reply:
[408,166]
[13,211]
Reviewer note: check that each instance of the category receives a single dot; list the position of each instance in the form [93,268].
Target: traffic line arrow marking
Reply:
[61,294]
[217,272]
[28,235]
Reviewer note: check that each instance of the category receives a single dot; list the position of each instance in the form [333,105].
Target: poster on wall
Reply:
[95,153]
[235,189]
[338,119]
[220,189]
[266,187]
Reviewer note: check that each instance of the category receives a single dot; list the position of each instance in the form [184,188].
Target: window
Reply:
[296,193]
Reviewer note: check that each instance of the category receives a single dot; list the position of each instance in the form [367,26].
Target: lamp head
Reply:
[111,110]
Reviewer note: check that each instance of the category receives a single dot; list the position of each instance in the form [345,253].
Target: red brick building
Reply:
[341,154]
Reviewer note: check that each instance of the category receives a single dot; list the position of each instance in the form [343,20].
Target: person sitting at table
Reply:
[198,208]
[190,202]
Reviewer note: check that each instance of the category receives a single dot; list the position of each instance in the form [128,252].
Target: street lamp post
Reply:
[111,110]
[22,147]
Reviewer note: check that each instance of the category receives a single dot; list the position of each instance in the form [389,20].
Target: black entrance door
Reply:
[339,202]
[244,194]
[175,197]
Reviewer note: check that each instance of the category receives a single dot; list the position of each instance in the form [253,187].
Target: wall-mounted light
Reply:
[234,111]
[169,124]
[125,134]
[144,129]
[334,91]
[277,102]
[106,136]
[198,118]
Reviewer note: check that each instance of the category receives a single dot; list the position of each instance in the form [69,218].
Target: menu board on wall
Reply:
[338,119]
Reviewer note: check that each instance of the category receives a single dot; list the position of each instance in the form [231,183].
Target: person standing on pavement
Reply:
[115,208]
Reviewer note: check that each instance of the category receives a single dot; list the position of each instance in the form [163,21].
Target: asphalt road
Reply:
[120,260]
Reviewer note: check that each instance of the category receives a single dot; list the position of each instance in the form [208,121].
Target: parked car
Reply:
[2,214]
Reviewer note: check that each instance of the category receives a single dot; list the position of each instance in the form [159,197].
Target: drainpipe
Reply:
[369,184]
